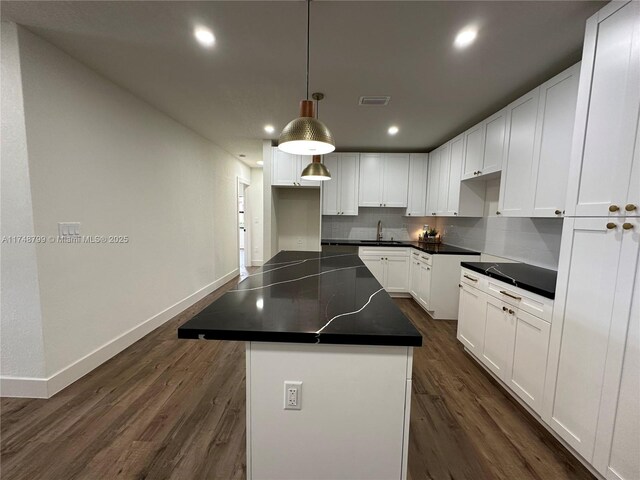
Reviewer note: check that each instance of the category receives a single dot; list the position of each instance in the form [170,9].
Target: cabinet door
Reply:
[585,294]
[395,180]
[515,181]
[370,185]
[397,275]
[425,285]
[528,358]
[330,188]
[471,318]
[473,151]
[606,113]
[498,336]
[434,183]
[415,278]
[443,183]
[417,185]
[556,116]
[348,168]
[376,265]
[494,142]
[456,156]
[618,435]
[283,169]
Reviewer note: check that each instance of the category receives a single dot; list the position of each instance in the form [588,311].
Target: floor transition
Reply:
[173,409]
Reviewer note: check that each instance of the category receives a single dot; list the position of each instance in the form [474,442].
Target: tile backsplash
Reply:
[531,240]
[363,227]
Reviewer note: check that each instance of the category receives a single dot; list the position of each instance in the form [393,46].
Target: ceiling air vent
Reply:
[374,100]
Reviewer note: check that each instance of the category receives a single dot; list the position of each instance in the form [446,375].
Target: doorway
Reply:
[243,217]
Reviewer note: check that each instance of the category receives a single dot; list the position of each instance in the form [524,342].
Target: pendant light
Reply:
[306,135]
[316,170]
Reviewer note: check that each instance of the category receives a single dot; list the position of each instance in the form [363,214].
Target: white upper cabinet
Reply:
[395,183]
[473,151]
[606,126]
[443,183]
[464,199]
[371,169]
[384,179]
[515,181]
[552,151]
[417,184]
[340,194]
[495,136]
[286,170]
[433,182]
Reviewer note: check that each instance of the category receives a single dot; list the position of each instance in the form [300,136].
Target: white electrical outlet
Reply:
[68,229]
[292,395]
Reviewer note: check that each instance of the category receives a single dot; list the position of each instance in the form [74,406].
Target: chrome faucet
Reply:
[379,231]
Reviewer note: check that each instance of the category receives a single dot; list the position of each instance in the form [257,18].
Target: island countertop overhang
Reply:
[306,297]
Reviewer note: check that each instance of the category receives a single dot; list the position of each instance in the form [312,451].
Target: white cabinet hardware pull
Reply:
[471,278]
[627,226]
[509,295]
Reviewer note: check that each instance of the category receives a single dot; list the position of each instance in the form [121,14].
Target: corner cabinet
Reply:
[384,180]
[340,194]
[604,172]
[286,170]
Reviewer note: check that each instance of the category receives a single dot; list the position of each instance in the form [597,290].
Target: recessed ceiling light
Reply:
[393,130]
[260,162]
[204,36]
[269,128]
[466,37]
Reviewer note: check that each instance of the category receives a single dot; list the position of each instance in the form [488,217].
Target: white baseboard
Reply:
[47,387]
[23,387]
[257,262]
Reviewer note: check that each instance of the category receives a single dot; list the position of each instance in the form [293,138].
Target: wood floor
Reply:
[175,409]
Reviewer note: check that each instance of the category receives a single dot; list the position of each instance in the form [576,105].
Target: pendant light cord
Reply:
[308,41]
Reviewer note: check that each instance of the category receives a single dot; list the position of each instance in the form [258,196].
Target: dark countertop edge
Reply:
[305,337]
[406,244]
[521,284]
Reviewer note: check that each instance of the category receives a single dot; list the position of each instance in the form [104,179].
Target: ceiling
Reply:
[255,73]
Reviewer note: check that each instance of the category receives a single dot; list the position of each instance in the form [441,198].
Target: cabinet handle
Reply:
[630,207]
[611,225]
[470,278]
[455,213]
[511,312]
[614,208]
[558,212]
[504,309]
[627,226]
[498,212]
[385,205]
[509,295]
[408,214]
[380,204]
[479,172]
[428,268]
[460,285]
[433,213]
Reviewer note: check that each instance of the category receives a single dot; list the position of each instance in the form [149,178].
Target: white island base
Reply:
[354,417]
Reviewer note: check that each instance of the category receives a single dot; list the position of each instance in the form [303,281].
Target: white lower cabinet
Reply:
[390,266]
[471,318]
[501,333]
[424,290]
[527,368]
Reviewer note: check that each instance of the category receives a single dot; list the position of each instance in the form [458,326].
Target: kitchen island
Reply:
[328,361]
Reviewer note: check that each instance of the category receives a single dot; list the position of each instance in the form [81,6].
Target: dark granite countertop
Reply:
[533,279]
[433,248]
[306,297]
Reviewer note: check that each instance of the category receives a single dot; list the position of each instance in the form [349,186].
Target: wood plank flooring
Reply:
[173,409]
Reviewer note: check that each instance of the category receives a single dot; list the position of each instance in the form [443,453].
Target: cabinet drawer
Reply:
[536,305]
[384,252]
[426,258]
[471,278]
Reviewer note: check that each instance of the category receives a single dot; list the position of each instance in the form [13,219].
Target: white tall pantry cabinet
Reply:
[592,387]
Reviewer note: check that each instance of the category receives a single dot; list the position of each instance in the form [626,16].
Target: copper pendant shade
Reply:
[306,135]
